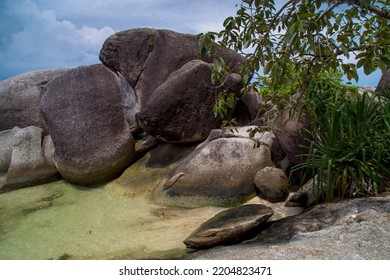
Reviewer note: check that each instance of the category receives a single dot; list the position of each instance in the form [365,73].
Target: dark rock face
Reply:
[20,97]
[146,57]
[228,226]
[351,229]
[182,107]
[247,108]
[84,111]
[32,160]
[383,86]
[220,172]
[290,132]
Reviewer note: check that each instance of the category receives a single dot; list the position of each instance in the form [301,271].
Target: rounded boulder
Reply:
[85,112]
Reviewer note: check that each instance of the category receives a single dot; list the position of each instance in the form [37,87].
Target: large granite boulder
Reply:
[220,172]
[182,107]
[20,97]
[231,225]
[86,116]
[32,160]
[383,86]
[146,57]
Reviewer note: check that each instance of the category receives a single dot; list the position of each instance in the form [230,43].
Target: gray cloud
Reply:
[39,40]
[40,34]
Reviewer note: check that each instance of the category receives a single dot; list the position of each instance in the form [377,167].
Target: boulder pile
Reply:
[152,90]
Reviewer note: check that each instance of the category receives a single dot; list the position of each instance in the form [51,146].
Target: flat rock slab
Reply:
[228,226]
[351,230]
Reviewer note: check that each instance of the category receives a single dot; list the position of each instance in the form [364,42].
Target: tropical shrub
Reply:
[350,151]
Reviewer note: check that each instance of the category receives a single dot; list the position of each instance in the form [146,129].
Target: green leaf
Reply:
[268,67]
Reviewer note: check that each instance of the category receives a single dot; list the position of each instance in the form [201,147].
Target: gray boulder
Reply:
[86,116]
[20,97]
[146,57]
[6,137]
[267,138]
[32,161]
[221,172]
[229,226]
[182,107]
[290,131]
[272,184]
[383,86]
[355,229]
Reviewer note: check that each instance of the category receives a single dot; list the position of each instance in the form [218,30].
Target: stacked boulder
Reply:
[154,80]
[26,150]
[84,110]
[172,82]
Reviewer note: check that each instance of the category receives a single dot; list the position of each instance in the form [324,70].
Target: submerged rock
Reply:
[229,226]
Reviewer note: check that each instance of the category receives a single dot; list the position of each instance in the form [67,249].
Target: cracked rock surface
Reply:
[352,229]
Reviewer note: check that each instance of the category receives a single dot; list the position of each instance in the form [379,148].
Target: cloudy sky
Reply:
[41,34]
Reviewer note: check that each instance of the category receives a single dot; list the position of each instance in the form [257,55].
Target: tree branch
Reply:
[380,12]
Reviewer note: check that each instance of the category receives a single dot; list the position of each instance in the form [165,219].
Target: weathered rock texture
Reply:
[229,226]
[383,86]
[220,172]
[267,138]
[6,137]
[20,97]
[32,160]
[85,113]
[351,229]
[182,107]
[146,57]
[271,184]
[290,132]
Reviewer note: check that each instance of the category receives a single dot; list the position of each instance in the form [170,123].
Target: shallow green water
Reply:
[62,221]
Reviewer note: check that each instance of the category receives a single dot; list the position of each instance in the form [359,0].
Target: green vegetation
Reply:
[350,151]
[303,47]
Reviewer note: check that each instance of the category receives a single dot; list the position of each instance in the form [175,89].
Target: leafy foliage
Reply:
[350,153]
[310,35]
[303,46]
